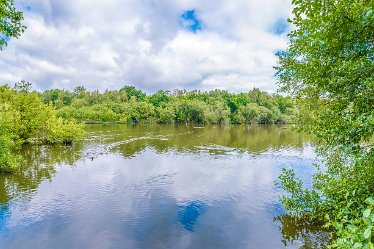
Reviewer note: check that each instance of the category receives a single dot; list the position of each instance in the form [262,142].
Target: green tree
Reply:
[166,114]
[29,112]
[328,67]
[57,130]
[131,91]
[24,118]
[8,160]
[250,113]
[10,22]
[128,105]
[80,92]
[159,98]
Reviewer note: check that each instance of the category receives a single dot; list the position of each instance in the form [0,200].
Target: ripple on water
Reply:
[179,188]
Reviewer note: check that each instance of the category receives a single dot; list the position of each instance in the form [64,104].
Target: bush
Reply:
[8,160]
[250,113]
[62,131]
[166,115]
[24,118]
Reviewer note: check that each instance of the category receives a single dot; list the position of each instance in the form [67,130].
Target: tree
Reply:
[328,67]
[131,91]
[10,22]
[159,98]
[24,118]
[80,92]
[8,161]
[166,114]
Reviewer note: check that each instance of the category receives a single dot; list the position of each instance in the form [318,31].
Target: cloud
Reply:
[150,44]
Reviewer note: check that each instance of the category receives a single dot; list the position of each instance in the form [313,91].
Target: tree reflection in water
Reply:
[39,163]
[260,151]
[310,232]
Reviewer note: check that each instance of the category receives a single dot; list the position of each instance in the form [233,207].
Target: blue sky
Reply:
[163,44]
[190,21]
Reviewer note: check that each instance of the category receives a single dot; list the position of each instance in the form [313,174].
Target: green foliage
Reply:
[140,112]
[250,113]
[166,114]
[24,118]
[80,92]
[30,114]
[354,223]
[58,98]
[10,22]
[159,98]
[8,160]
[62,131]
[131,91]
[132,105]
[299,199]
[328,68]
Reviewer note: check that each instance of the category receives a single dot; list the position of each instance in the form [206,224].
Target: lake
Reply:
[158,186]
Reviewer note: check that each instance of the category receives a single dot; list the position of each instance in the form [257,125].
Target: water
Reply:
[158,186]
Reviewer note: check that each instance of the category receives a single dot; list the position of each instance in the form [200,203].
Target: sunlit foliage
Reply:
[130,105]
[25,118]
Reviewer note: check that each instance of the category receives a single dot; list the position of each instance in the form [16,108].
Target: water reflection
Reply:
[39,163]
[156,187]
[309,233]
[189,213]
[130,140]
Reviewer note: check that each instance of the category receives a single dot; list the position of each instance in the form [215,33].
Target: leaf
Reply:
[327,216]
[367,232]
[351,227]
[367,213]
[370,201]
[357,245]
[368,14]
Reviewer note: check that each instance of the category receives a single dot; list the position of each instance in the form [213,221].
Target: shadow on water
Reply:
[158,186]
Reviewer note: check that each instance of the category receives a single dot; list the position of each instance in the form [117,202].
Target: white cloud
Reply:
[106,44]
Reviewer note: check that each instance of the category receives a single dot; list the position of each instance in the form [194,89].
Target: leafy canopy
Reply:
[10,22]
[328,67]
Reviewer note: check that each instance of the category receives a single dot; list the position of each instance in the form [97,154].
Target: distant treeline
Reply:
[131,105]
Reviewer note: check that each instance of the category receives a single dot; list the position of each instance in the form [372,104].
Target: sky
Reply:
[150,44]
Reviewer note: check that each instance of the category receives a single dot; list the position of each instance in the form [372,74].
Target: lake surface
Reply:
[158,186]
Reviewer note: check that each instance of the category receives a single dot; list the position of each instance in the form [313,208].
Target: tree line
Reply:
[131,105]
[58,116]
